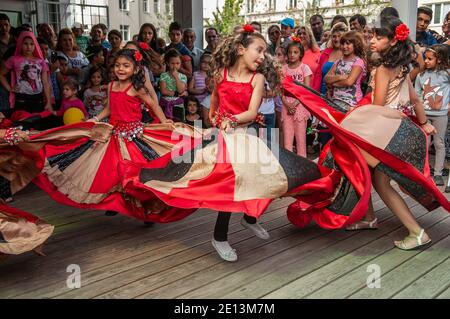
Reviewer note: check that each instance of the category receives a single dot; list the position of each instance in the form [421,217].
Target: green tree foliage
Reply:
[228,17]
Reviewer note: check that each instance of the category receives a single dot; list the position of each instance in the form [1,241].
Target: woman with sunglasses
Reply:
[274,33]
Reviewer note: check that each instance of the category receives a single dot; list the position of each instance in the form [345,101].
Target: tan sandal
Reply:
[363,224]
[416,240]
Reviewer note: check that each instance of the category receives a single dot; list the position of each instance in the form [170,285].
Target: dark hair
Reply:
[95,69]
[104,28]
[402,53]
[155,35]
[171,53]
[298,45]
[314,17]
[138,78]
[98,26]
[209,29]
[389,12]
[175,26]
[425,10]
[4,17]
[191,98]
[273,26]
[441,53]
[257,23]
[361,20]
[355,38]
[149,56]
[71,83]
[204,56]
[339,18]
[92,51]
[41,40]
[116,33]
[66,31]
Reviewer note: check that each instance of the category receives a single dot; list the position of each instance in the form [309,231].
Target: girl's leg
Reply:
[251,223]
[397,205]
[288,132]
[279,126]
[300,137]
[440,123]
[221,228]
[220,240]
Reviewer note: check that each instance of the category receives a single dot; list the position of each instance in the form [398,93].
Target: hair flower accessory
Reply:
[248,28]
[401,32]
[296,39]
[137,56]
[144,46]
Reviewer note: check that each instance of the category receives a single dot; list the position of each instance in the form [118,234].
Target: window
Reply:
[124,5]
[169,7]
[437,13]
[156,6]
[250,6]
[272,5]
[145,6]
[292,4]
[125,31]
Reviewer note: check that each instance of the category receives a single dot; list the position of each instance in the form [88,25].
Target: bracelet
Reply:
[220,117]
[422,124]
[11,137]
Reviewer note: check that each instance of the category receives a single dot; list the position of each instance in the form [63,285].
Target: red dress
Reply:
[80,164]
[234,96]
[224,175]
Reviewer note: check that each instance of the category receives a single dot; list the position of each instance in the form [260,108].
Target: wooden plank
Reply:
[273,283]
[445,294]
[396,280]
[355,280]
[137,267]
[366,255]
[135,245]
[223,278]
[432,283]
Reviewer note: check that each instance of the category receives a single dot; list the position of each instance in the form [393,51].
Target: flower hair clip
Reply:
[401,32]
[248,28]
[138,56]
[296,39]
[144,46]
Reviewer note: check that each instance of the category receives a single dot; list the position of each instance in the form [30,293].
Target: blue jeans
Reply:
[269,120]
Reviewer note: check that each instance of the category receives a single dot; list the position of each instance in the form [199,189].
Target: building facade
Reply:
[124,15]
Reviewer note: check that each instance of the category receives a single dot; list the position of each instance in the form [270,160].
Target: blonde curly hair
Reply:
[226,56]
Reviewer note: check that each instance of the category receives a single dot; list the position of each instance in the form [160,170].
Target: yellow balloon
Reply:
[73,115]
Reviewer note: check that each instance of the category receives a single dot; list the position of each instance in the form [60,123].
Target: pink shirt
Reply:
[67,104]
[299,74]
[28,74]
[311,59]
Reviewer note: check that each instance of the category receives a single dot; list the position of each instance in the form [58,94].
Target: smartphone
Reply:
[53,56]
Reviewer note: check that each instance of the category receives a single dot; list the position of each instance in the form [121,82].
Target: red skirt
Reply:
[21,232]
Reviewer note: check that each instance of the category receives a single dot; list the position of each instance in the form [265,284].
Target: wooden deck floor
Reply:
[120,258]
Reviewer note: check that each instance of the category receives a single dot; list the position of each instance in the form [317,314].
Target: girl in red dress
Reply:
[80,164]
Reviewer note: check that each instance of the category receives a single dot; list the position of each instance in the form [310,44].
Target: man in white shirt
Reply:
[189,38]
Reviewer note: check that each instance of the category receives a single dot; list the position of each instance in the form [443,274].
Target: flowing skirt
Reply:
[21,232]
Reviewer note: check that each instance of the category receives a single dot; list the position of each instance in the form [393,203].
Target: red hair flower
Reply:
[401,32]
[138,56]
[248,28]
[144,46]
[296,39]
